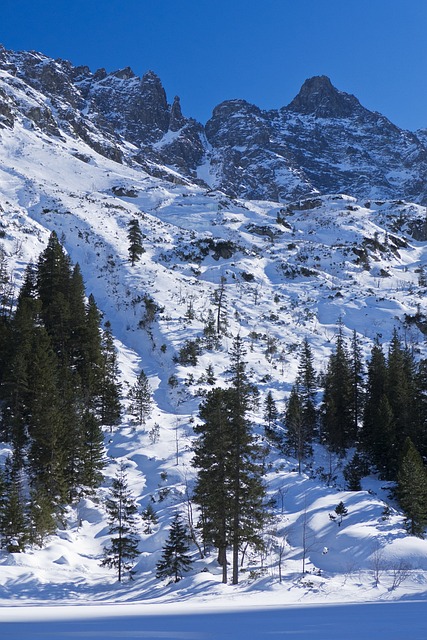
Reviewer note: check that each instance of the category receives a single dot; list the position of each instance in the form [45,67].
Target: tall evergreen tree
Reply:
[270,414]
[337,415]
[213,460]
[357,371]
[110,408]
[120,554]
[175,558]
[141,399]
[135,241]
[298,434]
[306,382]
[412,489]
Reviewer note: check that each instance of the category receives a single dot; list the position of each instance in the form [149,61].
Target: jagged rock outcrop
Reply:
[324,141]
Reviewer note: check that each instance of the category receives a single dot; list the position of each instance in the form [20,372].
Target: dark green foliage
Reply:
[270,414]
[42,522]
[149,518]
[52,388]
[337,412]
[394,406]
[307,384]
[135,238]
[354,471]
[93,453]
[298,433]
[122,510]
[141,399]
[412,489]
[175,558]
[189,352]
[340,511]
[13,522]
[211,338]
[229,486]
[110,390]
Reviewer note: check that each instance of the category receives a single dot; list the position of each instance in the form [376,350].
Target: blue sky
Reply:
[207,51]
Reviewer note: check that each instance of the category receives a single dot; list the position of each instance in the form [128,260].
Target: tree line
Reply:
[58,385]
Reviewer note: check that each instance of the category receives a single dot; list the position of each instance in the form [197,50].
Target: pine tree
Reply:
[248,491]
[213,460]
[357,370]
[92,454]
[122,510]
[42,521]
[337,414]
[377,434]
[270,415]
[412,489]
[135,241]
[110,408]
[298,434]
[13,523]
[141,399]
[210,332]
[47,453]
[175,558]
[229,487]
[149,518]
[306,382]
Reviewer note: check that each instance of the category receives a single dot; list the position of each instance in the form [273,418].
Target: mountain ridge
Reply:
[324,141]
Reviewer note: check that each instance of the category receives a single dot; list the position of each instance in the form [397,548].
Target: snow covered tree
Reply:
[121,508]
[175,558]
[141,398]
[135,241]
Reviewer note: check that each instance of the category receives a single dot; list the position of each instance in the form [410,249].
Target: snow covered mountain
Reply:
[306,215]
[323,142]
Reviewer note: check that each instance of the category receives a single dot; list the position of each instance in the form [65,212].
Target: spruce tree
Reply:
[213,459]
[135,241]
[92,454]
[270,415]
[141,399]
[337,415]
[306,382]
[110,408]
[298,433]
[412,489]
[357,370]
[175,558]
[149,518]
[42,521]
[247,488]
[13,522]
[229,487]
[121,507]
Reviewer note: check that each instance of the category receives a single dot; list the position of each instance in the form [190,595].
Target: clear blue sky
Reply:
[207,51]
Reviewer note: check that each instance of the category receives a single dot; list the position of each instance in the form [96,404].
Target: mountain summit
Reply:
[320,98]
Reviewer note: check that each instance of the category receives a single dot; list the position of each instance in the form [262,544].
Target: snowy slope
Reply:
[327,258]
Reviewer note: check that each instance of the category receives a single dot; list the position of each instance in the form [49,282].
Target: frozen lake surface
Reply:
[391,621]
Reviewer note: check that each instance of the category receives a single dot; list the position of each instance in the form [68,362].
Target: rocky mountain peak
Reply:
[177,120]
[320,98]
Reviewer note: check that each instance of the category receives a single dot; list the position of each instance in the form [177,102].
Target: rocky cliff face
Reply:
[324,141]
